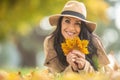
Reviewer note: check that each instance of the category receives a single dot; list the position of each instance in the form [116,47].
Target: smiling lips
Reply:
[70,33]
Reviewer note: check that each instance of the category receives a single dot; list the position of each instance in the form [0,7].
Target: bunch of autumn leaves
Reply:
[75,43]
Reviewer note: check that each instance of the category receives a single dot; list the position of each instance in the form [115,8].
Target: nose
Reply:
[72,26]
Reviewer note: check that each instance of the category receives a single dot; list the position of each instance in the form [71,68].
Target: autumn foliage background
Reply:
[24,25]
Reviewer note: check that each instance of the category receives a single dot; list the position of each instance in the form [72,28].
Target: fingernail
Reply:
[73,59]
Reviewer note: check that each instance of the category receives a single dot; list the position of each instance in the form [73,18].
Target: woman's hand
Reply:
[76,59]
[71,60]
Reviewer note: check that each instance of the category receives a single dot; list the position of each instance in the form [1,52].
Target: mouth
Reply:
[71,34]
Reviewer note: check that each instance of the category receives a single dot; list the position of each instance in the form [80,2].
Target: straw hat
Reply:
[73,9]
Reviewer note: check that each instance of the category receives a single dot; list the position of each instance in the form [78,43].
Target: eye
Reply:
[67,21]
[78,23]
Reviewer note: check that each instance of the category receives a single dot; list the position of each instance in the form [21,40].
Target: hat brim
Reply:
[54,21]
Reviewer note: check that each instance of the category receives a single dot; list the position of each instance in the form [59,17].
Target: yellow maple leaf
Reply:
[75,43]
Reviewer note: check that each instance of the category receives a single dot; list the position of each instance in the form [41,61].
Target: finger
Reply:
[71,59]
[71,62]
[74,66]
[81,62]
[78,53]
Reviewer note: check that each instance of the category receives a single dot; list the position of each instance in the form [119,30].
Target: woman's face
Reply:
[70,27]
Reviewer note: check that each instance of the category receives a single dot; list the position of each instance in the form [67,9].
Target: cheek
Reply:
[78,30]
[63,26]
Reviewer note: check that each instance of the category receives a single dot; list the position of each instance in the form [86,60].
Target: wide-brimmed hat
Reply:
[73,9]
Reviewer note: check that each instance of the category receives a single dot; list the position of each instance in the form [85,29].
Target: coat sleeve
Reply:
[51,60]
[45,46]
[102,56]
[88,68]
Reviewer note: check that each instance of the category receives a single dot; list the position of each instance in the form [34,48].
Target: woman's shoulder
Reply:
[98,43]
[102,57]
[95,36]
[49,41]
[48,38]
[96,40]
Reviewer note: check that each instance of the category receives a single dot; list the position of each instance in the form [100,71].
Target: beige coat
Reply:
[53,64]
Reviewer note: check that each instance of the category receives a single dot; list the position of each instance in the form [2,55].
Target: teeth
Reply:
[70,33]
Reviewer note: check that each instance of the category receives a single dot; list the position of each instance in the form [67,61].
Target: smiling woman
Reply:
[72,23]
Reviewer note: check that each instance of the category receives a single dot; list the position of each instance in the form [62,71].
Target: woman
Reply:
[72,23]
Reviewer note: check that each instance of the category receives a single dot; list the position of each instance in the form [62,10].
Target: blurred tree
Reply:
[19,17]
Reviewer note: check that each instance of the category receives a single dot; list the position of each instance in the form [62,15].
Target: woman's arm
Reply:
[51,60]
[102,56]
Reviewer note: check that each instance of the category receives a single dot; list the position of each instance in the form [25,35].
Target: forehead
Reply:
[71,18]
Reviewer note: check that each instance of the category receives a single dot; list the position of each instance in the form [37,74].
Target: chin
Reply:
[69,37]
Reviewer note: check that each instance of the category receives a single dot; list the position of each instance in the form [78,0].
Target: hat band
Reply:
[74,14]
